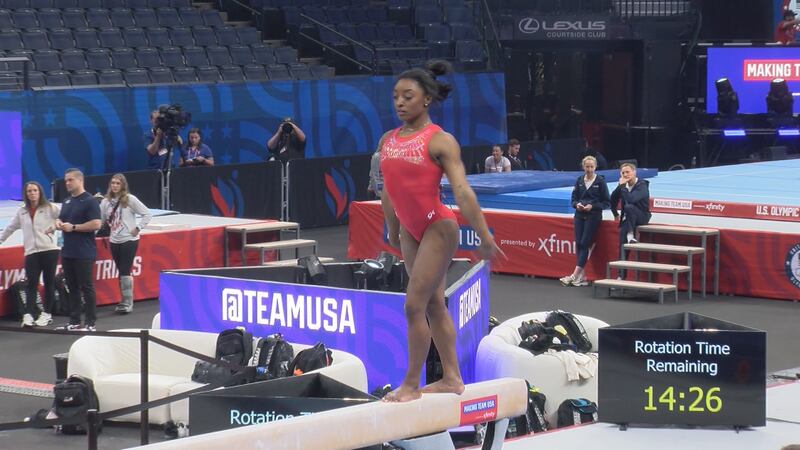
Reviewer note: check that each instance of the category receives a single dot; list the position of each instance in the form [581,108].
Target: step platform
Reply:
[659,288]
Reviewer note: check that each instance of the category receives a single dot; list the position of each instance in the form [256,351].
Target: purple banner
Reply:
[10,155]
[369,324]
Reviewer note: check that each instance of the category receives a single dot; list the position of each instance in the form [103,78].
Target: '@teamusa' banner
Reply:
[371,325]
[103,130]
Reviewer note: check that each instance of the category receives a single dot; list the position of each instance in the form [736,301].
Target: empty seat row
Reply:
[258,4]
[364,32]
[101,17]
[370,14]
[19,4]
[149,57]
[63,38]
[135,76]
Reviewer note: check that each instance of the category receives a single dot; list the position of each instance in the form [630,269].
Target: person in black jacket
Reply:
[633,196]
[589,198]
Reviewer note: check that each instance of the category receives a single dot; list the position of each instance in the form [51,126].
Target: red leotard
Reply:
[412,180]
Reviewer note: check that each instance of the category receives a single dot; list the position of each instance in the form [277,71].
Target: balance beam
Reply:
[371,423]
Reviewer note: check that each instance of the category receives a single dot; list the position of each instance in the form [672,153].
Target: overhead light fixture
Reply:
[734,132]
[788,132]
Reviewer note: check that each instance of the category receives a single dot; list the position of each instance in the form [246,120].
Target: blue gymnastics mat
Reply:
[533,180]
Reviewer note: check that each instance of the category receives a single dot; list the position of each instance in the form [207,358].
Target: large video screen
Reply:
[10,155]
[750,70]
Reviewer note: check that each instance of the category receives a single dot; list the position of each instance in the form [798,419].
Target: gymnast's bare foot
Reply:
[444,386]
[403,394]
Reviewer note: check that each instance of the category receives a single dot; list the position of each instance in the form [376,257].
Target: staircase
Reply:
[690,252]
[246,230]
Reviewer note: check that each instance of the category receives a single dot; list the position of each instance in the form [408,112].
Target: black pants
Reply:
[79,275]
[40,264]
[585,228]
[123,255]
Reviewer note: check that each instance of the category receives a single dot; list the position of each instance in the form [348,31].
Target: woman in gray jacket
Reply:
[37,219]
[119,209]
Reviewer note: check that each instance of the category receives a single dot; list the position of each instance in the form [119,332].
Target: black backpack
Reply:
[312,358]
[575,331]
[271,357]
[60,306]
[235,346]
[17,295]
[533,421]
[537,337]
[74,397]
[576,411]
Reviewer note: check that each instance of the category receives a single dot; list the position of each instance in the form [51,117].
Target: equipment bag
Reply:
[60,306]
[235,345]
[271,357]
[312,358]
[576,411]
[17,294]
[575,331]
[74,397]
[537,337]
[533,421]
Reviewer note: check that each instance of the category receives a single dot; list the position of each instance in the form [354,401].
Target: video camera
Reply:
[170,119]
[286,126]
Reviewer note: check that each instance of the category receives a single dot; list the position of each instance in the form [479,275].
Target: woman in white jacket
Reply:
[119,209]
[37,219]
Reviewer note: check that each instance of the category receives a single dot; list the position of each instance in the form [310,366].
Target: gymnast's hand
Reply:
[489,250]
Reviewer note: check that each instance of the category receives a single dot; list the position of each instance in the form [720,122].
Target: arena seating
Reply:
[90,42]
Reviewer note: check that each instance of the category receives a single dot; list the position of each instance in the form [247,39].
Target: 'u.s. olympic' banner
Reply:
[752,262]
[369,324]
[102,130]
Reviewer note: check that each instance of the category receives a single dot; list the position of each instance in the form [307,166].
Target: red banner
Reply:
[784,213]
[752,262]
[770,69]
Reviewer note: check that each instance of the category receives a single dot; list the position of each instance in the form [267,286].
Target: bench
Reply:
[295,244]
[643,266]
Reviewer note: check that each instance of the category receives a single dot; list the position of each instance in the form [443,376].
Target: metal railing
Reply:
[20,79]
[490,38]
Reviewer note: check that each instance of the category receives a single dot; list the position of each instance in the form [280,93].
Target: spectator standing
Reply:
[195,152]
[119,209]
[497,162]
[78,220]
[288,142]
[37,220]
[589,198]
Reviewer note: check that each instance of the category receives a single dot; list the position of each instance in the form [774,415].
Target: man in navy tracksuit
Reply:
[633,195]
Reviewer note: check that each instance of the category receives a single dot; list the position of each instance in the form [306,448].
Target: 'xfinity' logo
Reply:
[288,310]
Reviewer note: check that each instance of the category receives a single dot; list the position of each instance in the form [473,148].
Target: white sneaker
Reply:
[580,281]
[566,281]
[27,320]
[44,319]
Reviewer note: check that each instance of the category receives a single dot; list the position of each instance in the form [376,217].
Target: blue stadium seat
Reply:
[57,78]
[122,17]
[315,12]
[181,36]
[357,15]
[180,3]
[5,20]
[158,4]
[161,75]
[83,77]
[241,54]
[111,4]
[285,55]
[24,18]
[300,71]
[35,39]
[36,79]
[99,58]
[61,4]
[204,36]
[195,56]
[321,71]
[463,32]
[212,18]
[158,37]
[73,18]
[398,3]
[427,14]
[278,72]
[134,37]
[135,76]
[110,38]
[249,35]
[403,33]
[226,35]
[386,32]
[336,15]
[458,14]
[41,4]
[208,74]
[10,40]
[470,55]
[255,72]
[98,18]
[61,38]
[19,53]
[132,4]
[123,58]
[377,13]
[218,55]
[231,73]
[168,17]
[15,4]
[86,4]
[348,29]
[191,17]
[110,76]
[184,74]
[171,56]
[49,18]
[86,38]
[46,60]
[435,32]
[367,32]
[263,55]
[73,59]
[144,18]
[147,57]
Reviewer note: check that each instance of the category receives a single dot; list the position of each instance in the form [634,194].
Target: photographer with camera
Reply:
[167,121]
[288,142]
[196,153]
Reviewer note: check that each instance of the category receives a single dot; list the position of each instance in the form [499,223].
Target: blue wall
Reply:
[101,130]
